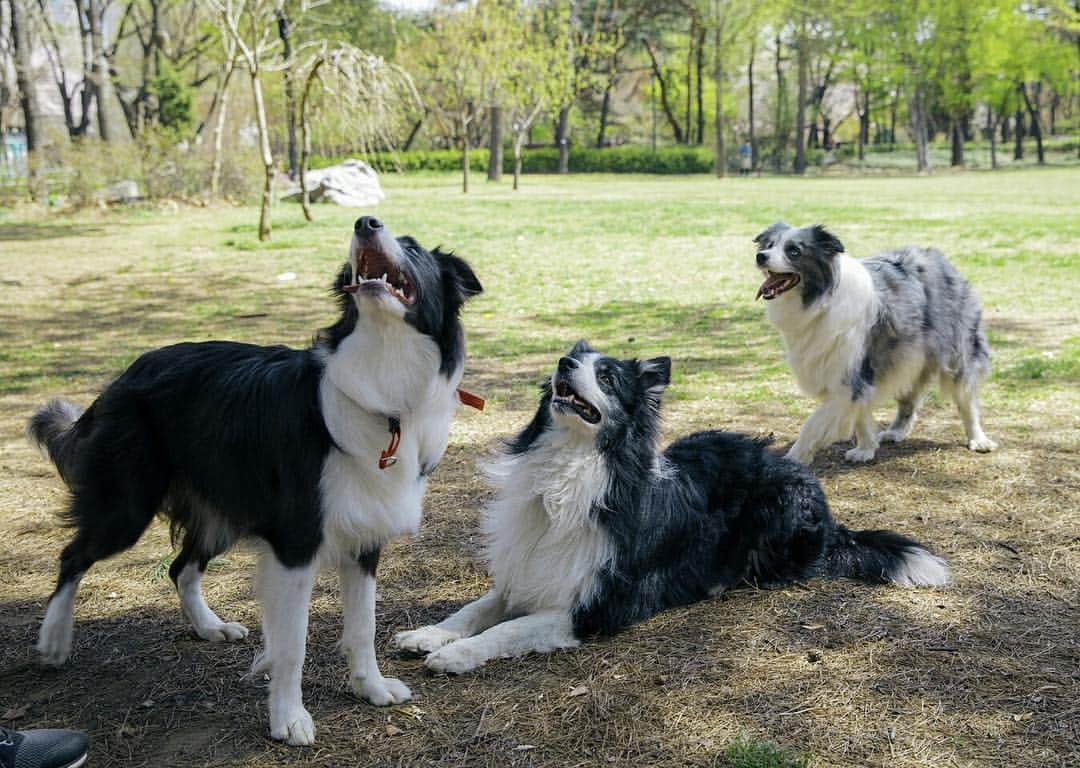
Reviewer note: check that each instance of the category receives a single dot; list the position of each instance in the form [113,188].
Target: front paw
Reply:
[381,691]
[796,453]
[982,445]
[891,436]
[293,725]
[424,640]
[455,659]
[860,454]
[222,632]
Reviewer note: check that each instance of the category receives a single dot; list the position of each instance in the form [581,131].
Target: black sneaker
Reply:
[42,749]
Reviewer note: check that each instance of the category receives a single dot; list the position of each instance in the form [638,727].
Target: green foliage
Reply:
[750,753]
[174,97]
[628,159]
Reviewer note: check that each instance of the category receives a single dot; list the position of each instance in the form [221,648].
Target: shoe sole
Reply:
[78,763]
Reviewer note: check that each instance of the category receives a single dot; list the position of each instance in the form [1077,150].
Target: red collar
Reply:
[387,457]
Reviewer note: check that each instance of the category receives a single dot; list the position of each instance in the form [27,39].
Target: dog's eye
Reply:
[604,379]
[792,251]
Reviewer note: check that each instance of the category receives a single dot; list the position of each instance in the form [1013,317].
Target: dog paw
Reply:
[424,640]
[800,456]
[982,445]
[222,632]
[381,691]
[455,659]
[891,436]
[860,454]
[54,644]
[293,726]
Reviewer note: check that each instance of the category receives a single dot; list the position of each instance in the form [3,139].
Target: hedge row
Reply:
[666,160]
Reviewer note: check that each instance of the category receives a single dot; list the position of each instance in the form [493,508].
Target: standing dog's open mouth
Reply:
[777,283]
[376,271]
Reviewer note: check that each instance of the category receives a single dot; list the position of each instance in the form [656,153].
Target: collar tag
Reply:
[471,400]
[387,457]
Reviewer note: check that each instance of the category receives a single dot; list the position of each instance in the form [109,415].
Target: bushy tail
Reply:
[878,557]
[50,429]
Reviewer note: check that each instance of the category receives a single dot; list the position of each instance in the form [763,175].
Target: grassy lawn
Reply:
[985,672]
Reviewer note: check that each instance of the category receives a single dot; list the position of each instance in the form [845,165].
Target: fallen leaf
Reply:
[813,626]
[393,730]
[524,747]
[1023,717]
[581,690]
[15,713]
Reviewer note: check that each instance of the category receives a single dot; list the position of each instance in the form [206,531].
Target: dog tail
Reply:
[51,430]
[880,557]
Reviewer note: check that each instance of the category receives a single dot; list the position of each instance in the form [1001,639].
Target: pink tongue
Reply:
[771,284]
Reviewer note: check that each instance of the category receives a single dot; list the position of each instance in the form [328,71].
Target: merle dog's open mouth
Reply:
[777,283]
[565,397]
[377,271]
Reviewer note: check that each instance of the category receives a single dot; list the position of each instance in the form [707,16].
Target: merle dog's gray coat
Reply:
[858,332]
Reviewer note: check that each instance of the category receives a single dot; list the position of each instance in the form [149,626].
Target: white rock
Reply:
[353,184]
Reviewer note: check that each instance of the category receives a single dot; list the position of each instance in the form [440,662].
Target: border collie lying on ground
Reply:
[858,333]
[287,446]
[592,528]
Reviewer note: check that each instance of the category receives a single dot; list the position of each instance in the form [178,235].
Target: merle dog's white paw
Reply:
[222,632]
[860,454]
[891,436]
[381,691]
[293,725]
[982,445]
[455,658]
[424,640]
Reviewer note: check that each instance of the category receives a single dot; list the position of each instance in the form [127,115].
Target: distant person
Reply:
[746,159]
[42,749]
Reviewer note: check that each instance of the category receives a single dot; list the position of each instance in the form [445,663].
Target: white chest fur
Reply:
[543,549]
[370,377]
[826,341]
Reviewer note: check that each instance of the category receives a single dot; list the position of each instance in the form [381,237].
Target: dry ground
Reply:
[983,673]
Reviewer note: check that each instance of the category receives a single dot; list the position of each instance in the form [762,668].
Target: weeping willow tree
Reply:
[352,97]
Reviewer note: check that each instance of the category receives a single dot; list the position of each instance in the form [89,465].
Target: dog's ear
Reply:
[459,274]
[825,241]
[655,374]
[581,348]
[770,234]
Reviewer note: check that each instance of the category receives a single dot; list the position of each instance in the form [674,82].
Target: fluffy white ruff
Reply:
[920,568]
[542,547]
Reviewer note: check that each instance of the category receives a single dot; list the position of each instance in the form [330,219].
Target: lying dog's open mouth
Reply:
[565,397]
[777,283]
[377,272]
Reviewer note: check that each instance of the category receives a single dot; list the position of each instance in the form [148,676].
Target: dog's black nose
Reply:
[368,225]
[762,258]
[567,364]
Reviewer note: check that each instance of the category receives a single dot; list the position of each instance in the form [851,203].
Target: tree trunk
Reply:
[267,156]
[99,73]
[665,103]
[305,133]
[605,107]
[219,129]
[892,119]
[917,108]
[692,39]
[957,136]
[862,105]
[495,145]
[519,140]
[23,44]
[464,155]
[1018,135]
[720,166]
[991,130]
[1032,104]
[781,97]
[800,107]
[563,140]
[285,33]
[700,90]
[750,103]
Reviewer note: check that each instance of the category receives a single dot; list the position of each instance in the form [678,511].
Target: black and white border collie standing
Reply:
[858,333]
[233,440]
[592,528]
